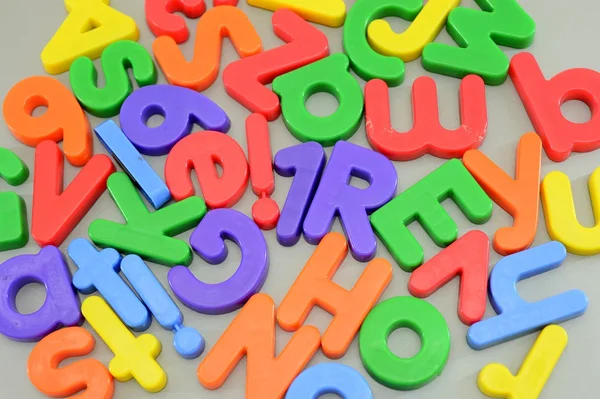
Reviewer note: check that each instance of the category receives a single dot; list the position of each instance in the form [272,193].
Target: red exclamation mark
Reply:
[265,211]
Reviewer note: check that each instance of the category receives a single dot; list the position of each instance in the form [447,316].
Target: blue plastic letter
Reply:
[99,270]
[154,189]
[187,341]
[517,317]
[329,378]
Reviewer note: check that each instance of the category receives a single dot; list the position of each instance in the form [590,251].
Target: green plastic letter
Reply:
[366,62]
[328,75]
[478,35]
[422,202]
[147,234]
[116,59]
[400,373]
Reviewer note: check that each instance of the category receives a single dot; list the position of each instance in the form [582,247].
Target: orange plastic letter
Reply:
[202,71]
[88,374]
[314,287]
[252,334]
[64,119]
[519,197]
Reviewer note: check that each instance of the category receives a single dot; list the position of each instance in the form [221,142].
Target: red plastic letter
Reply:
[200,73]
[543,98]
[64,119]
[467,257]
[519,197]
[427,135]
[265,211]
[314,287]
[88,374]
[56,213]
[252,334]
[162,21]
[244,79]
[201,151]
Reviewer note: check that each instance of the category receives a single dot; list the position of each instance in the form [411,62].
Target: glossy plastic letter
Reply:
[517,317]
[208,240]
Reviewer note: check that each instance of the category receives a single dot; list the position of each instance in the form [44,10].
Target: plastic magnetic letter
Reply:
[134,357]
[561,219]
[496,381]
[314,287]
[517,317]
[61,307]
[64,120]
[404,373]
[245,79]
[520,196]
[329,378]
[147,234]
[364,60]
[422,203]
[13,219]
[478,35]
[467,257]
[99,270]
[202,71]
[106,102]
[543,100]
[409,44]
[265,211]
[427,135]
[336,197]
[252,334]
[12,168]
[203,151]
[325,12]
[86,375]
[305,162]
[181,108]
[329,75]
[187,341]
[57,212]
[208,240]
[154,189]
[162,20]
[89,28]
[13,213]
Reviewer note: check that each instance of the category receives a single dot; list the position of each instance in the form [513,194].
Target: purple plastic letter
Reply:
[61,307]
[180,107]
[208,240]
[305,162]
[336,197]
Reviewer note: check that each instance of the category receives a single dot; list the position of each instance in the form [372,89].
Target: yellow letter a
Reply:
[90,26]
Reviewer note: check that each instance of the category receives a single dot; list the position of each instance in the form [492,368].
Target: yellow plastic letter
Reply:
[134,357]
[561,219]
[88,29]
[325,12]
[409,45]
[496,381]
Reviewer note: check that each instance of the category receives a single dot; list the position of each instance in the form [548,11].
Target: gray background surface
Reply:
[566,37]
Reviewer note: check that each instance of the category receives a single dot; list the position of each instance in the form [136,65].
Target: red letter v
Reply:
[56,213]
